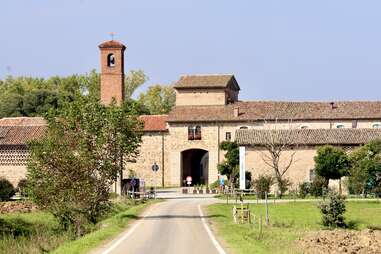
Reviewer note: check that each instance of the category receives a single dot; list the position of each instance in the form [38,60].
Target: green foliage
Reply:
[230,166]
[6,189]
[365,172]
[263,184]
[72,168]
[333,210]
[22,187]
[214,185]
[317,186]
[133,81]
[158,99]
[25,96]
[331,163]
[304,189]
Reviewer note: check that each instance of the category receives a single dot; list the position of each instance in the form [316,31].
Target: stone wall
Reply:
[189,97]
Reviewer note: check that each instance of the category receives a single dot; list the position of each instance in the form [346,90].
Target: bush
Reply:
[317,186]
[304,189]
[6,190]
[262,185]
[333,210]
[22,187]
[214,185]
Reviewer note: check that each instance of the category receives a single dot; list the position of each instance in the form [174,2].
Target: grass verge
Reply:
[39,232]
[288,222]
[107,229]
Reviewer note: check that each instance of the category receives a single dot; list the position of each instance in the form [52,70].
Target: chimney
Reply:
[236,111]
[333,105]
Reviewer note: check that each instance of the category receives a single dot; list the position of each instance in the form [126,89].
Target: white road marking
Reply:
[129,232]
[214,241]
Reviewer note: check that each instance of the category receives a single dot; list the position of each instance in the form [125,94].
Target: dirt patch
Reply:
[17,206]
[342,241]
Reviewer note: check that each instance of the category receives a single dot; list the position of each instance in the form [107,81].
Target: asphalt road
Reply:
[171,227]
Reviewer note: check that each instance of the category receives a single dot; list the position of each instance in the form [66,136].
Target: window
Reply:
[194,132]
[243,128]
[110,60]
[228,136]
[354,124]
[312,175]
[340,126]
[304,127]
[376,126]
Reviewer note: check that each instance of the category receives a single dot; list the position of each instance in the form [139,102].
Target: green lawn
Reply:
[39,232]
[288,221]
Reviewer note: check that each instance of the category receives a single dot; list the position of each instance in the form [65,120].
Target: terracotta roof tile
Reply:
[281,110]
[154,122]
[112,44]
[20,130]
[257,137]
[206,81]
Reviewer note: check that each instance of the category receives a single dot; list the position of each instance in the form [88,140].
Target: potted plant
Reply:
[201,190]
[195,189]
[185,190]
[207,190]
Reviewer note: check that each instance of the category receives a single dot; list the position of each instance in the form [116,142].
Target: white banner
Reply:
[242,167]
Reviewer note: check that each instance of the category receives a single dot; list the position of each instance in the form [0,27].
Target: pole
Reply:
[155,182]
[267,210]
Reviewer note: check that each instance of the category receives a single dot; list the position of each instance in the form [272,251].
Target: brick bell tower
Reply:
[112,72]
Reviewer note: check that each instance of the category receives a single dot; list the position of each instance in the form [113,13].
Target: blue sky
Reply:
[278,50]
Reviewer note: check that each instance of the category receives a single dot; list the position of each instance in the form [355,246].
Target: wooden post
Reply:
[260,226]
[256,195]
[267,210]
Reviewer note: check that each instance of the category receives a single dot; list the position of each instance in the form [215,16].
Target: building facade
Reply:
[208,111]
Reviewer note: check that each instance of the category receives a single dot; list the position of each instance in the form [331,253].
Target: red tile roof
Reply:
[207,81]
[255,137]
[154,122]
[281,110]
[112,44]
[21,130]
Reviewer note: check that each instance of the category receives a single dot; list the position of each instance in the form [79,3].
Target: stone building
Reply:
[208,111]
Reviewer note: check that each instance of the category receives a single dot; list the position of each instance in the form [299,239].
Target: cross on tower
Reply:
[112,35]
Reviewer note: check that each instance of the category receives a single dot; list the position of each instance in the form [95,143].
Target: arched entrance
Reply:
[195,163]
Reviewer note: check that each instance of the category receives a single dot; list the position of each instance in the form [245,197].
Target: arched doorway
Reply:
[195,163]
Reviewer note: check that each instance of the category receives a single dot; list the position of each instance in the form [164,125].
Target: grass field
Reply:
[39,232]
[288,222]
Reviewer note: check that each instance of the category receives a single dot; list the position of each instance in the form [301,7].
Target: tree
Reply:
[133,81]
[276,143]
[230,166]
[73,166]
[158,99]
[331,163]
[25,96]
[365,171]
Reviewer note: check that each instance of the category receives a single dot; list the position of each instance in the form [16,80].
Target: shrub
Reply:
[6,190]
[283,185]
[317,186]
[22,187]
[262,185]
[333,210]
[214,185]
[304,189]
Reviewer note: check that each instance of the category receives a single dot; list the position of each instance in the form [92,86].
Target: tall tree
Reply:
[158,99]
[73,166]
[133,81]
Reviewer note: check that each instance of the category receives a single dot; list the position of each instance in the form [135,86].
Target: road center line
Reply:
[214,241]
[129,232]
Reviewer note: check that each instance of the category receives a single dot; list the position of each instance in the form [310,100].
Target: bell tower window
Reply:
[110,60]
